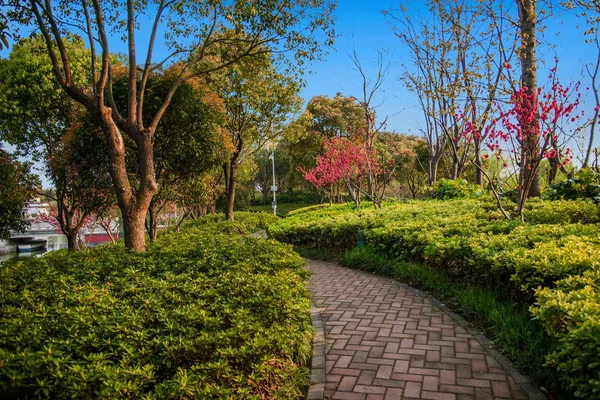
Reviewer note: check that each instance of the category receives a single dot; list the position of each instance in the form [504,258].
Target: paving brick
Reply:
[386,342]
[393,394]
[412,389]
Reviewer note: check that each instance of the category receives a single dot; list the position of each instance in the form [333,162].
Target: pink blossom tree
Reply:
[349,163]
[540,117]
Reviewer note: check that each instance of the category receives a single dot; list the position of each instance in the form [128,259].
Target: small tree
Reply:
[533,117]
[349,163]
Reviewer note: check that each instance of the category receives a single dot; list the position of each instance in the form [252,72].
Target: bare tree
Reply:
[369,88]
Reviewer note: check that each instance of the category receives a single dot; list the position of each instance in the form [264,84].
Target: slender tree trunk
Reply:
[152,222]
[230,187]
[478,164]
[433,167]
[455,167]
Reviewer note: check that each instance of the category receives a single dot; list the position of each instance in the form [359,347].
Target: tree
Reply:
[337,117]
[258,101]
[203,36]
[17,189]
[188,142]
[538,115]
[45,124]
[368,129]
[350,163]
[527,56]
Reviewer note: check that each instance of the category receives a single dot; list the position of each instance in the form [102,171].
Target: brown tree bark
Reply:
[231,170]
[72,241]
[527,55]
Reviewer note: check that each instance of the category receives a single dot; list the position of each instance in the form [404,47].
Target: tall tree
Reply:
[368,128]
[258,102]
[203,36]
[461,51]
[188,142]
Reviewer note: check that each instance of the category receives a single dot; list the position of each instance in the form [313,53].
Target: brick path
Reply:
[386,341]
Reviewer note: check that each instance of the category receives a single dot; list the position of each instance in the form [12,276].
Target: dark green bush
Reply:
[586,185]
[200,314]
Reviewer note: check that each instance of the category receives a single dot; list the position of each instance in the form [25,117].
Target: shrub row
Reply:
[550,259]
[204,313]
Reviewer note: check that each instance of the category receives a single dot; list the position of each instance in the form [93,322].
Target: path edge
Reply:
[524,382]
[316,390]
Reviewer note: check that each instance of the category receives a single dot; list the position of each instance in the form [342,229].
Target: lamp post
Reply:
[273,188]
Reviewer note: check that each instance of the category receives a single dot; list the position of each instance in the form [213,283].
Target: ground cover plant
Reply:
[203,313]
[548,264]
[283,209]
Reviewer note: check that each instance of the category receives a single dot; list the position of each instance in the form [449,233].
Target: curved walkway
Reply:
[385,340]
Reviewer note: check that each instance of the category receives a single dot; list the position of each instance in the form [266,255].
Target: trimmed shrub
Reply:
[201,314]
[586,185]
[571,314]
[445,189]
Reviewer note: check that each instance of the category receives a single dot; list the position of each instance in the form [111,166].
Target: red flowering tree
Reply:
[348,163]
[533,118]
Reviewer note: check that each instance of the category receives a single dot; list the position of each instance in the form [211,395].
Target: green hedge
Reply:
[470,241]
[204,313]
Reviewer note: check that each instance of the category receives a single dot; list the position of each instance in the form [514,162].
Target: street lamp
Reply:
[273,188]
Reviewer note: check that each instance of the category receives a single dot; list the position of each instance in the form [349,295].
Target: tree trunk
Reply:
[72,240]
[433,167]
[152,222]
[230,183]
[133,205]
[135,232]
[553,170]
[478,164]
[527,55]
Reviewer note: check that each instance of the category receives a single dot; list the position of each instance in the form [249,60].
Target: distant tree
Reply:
[338,117]
[349,163]
[17,189]
[258,102]
[203,36]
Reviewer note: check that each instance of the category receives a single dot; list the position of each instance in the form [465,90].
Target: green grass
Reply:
[507,324]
